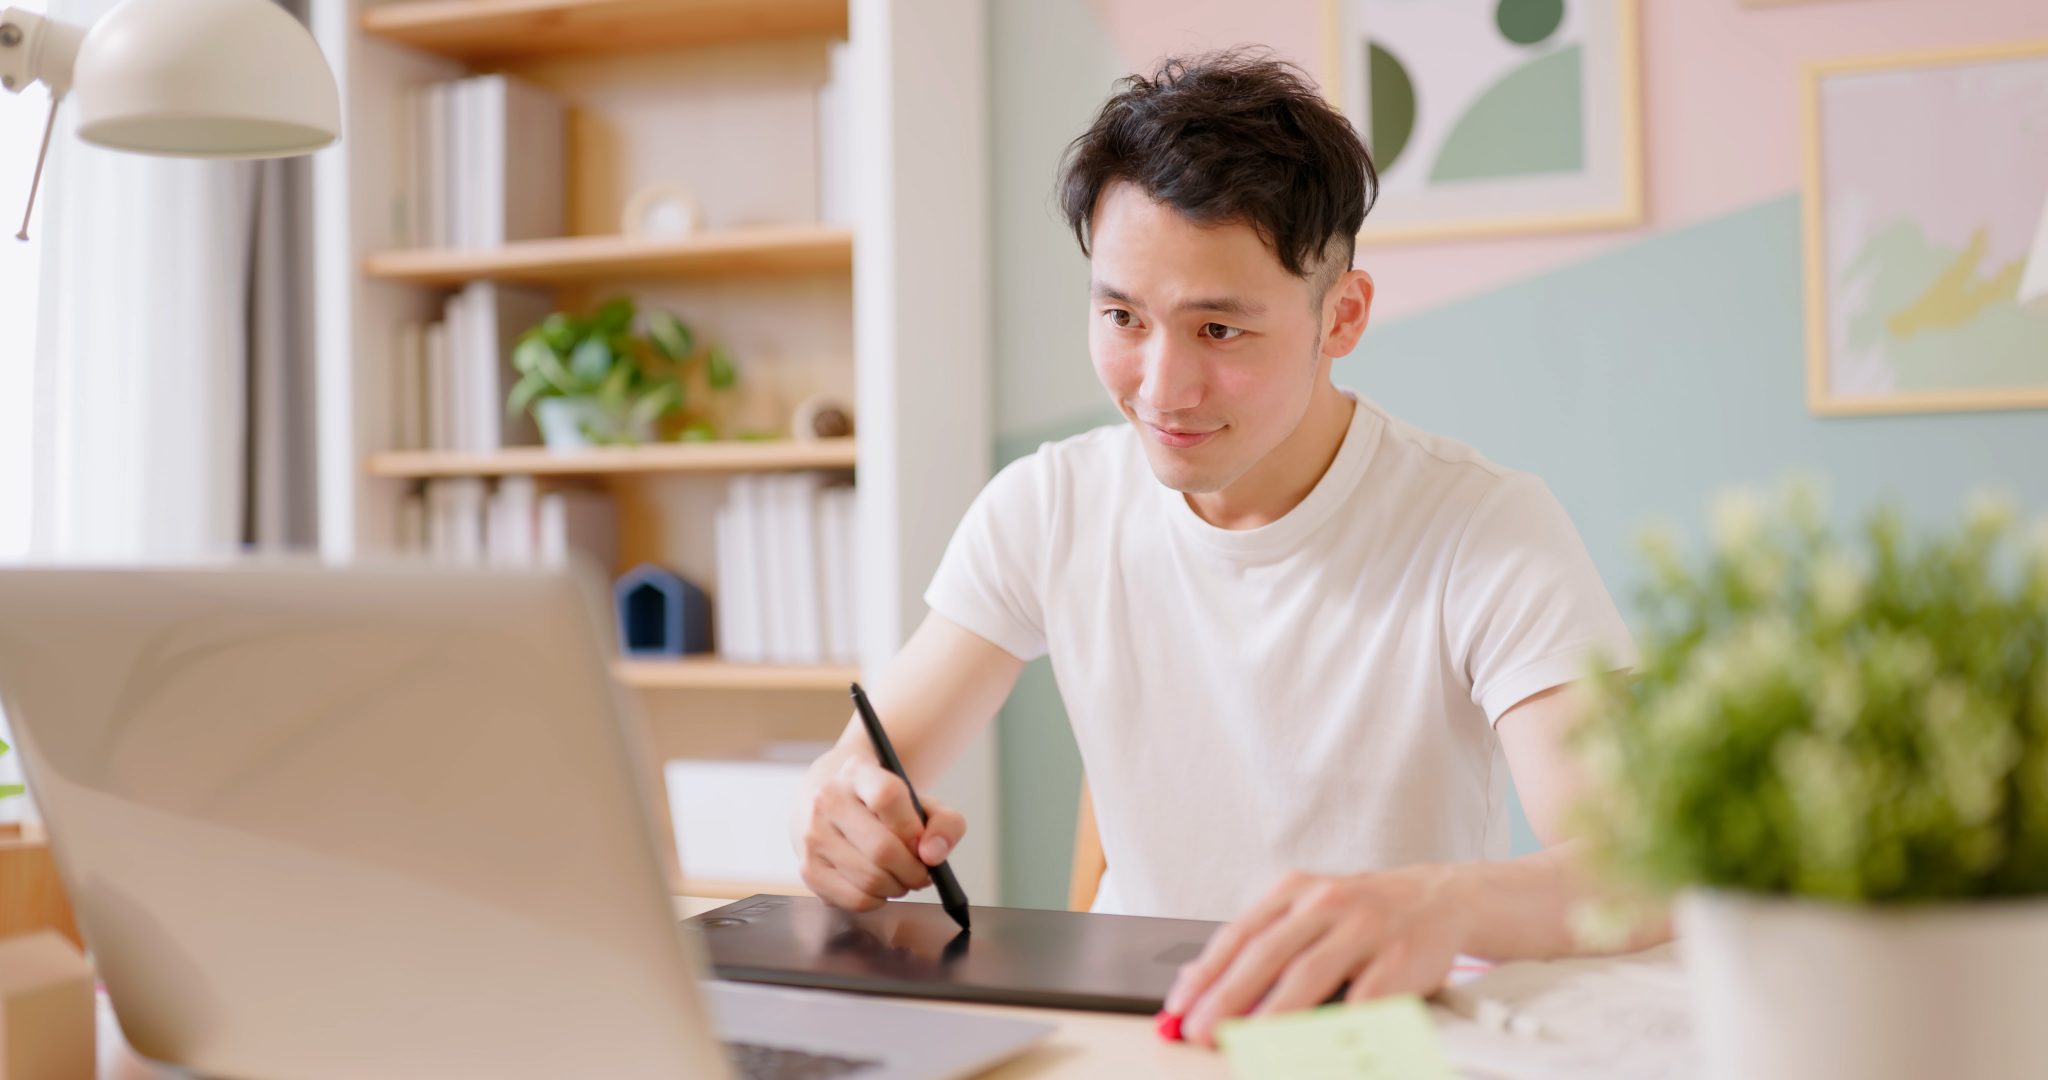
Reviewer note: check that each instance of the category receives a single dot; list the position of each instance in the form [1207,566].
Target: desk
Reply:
[1605,1018]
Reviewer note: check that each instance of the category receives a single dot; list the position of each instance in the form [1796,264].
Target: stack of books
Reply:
[785,571]
[465,521]
[483,163]
[451,377]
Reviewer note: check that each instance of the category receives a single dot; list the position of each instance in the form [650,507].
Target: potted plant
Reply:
[8,791]
[597,379]
[1836,756]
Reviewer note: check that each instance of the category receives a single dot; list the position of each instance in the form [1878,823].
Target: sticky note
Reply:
[1388,1039]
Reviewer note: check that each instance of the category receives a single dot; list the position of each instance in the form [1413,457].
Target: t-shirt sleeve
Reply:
[989,581]
[1525,609]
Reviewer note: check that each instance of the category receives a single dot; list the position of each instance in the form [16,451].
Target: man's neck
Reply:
[1278,483]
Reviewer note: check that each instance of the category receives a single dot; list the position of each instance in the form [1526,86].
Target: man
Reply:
[1302,644]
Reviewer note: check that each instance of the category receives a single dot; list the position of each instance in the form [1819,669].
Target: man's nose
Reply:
[1173,377]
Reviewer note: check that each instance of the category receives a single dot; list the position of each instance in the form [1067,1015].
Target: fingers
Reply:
[861,839]
[942,833]
[887,797]
[867,883]
[1257,966]
[1196,977]
[876,846]
[1317,973]
[822,878]
[1399,969]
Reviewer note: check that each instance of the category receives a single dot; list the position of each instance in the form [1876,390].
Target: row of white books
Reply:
[786,570]
[466,521]
[451,377]
[483,163]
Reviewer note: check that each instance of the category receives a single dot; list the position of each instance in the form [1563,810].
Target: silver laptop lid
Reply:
[353,823]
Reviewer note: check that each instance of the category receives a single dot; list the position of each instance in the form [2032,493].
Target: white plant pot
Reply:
[1803,990]
[565,422]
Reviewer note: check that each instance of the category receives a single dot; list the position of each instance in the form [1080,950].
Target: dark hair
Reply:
[1230,136]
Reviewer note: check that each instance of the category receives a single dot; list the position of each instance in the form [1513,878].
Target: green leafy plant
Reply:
[1863,722]
[8,790]
[637,377]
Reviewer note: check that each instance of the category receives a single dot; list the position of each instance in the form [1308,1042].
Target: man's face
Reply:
[1204,341]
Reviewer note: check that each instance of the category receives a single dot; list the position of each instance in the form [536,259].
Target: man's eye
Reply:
[1216,331]
[1119,318]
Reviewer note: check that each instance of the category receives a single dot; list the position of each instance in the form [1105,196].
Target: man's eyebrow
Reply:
[1224,305]
[1102,291]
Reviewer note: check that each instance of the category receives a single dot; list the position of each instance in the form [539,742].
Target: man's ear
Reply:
[1347,307]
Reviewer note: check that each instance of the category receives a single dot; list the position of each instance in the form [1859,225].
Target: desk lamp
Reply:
[178,78]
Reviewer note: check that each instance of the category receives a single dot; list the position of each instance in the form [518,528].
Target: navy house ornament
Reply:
[660,614]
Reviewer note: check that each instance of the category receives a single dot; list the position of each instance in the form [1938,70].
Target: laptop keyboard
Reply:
[756,1062]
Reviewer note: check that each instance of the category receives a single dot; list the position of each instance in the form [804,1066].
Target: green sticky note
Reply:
[1388,1039]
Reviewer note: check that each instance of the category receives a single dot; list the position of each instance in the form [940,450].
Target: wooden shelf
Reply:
[478,30]
[764,251]
[715,889]
[701,457]
[698,673]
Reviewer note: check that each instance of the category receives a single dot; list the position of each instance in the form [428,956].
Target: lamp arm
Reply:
[37,49]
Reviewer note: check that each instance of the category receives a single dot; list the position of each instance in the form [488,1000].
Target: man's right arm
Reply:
[858,840]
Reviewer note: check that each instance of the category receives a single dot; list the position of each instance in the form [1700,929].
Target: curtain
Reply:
[174,352]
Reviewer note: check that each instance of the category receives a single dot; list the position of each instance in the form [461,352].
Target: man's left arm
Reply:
[1399,931]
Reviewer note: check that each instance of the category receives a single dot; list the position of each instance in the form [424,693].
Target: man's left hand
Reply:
[1393,932]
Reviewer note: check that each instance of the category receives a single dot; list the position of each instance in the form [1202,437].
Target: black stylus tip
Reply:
[959,914]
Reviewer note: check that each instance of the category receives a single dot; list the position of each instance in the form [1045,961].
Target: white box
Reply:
[732,815]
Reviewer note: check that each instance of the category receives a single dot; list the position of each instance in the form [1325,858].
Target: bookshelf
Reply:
[704,674]
[498,30]
[707,457]
[731,253]
[884,307]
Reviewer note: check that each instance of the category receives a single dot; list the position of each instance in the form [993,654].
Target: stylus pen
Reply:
[950,895]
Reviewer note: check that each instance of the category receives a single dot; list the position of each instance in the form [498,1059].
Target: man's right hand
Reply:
[858,839]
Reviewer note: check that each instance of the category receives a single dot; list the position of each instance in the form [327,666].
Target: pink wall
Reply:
[1722,88]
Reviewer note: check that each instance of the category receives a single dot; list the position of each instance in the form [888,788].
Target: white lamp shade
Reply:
[205,78]
[2034,283]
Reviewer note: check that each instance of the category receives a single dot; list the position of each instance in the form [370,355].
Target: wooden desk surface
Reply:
[1086,1044]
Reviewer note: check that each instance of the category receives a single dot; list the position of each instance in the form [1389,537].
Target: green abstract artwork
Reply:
[1510,114]
[1913,292]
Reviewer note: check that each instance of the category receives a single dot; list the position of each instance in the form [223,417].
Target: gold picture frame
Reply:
[1625,209]
[1823,398]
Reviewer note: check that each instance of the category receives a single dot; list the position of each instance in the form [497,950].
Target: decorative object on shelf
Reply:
[1493,116]
[47,1010]
[664,212]
[1837,755]
[31,894]
[181,78]
[660,614]
[821,416]
[1912,275]
[593,380]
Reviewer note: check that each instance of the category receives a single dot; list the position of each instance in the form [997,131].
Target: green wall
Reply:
[1637,384]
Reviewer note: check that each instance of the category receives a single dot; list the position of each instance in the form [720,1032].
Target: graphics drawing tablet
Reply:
[1013,956]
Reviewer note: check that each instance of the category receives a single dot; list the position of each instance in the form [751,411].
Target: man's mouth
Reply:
[1181,438]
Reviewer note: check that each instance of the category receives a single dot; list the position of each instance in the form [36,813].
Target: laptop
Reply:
[392,822]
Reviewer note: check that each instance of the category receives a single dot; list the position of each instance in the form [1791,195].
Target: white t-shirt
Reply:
[1313,694]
